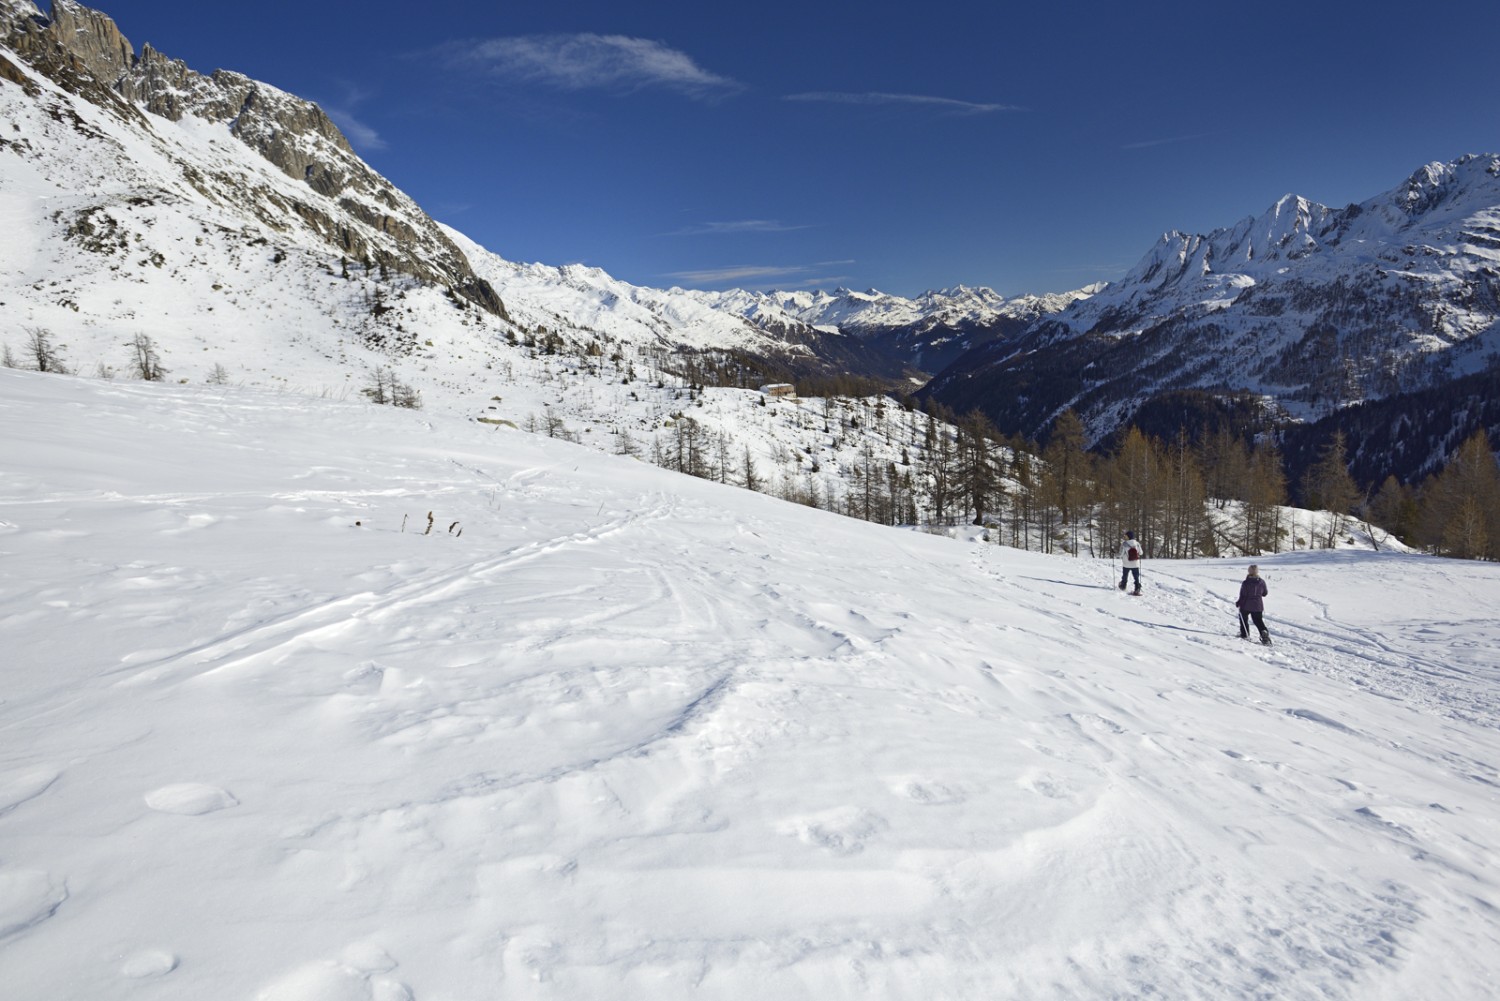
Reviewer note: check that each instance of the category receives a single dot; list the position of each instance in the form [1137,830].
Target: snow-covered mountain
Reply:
[608,732]
[304,178]
[926,333]
[873,311]
[112,141]
[255,248]
[1308,307]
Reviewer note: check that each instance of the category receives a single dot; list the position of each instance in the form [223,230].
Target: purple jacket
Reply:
[1251,593]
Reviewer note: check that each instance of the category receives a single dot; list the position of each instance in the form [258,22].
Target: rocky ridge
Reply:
[361,215]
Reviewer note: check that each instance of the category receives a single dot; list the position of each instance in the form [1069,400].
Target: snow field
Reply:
[632,734]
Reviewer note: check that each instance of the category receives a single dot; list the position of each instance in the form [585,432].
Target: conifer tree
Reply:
[1185,530]
[979,478]
[1394,509]
[1460,507]
[1327,486]
[1131,494]
[1265,495]
[1225,461]
[1069,466]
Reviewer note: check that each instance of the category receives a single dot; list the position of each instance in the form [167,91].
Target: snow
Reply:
[606,731]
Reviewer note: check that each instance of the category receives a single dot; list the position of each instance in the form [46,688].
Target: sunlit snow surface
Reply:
[632,735]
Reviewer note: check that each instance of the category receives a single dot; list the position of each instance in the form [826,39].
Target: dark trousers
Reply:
[1246,617]
[1125,575]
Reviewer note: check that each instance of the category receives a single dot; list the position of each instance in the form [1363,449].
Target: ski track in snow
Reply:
[634,735]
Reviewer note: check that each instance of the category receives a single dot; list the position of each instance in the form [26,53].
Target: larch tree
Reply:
[1460,507]
[1328,486]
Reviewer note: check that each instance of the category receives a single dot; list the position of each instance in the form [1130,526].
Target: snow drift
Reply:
[605,731]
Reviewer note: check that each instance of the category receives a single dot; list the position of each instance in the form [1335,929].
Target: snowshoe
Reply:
[1265,637]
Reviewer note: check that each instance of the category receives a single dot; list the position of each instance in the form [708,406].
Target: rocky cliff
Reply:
[360,215]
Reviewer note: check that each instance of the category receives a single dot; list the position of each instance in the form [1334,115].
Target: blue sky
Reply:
[1030,148]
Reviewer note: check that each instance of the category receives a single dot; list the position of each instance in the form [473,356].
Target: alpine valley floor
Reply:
[609,732]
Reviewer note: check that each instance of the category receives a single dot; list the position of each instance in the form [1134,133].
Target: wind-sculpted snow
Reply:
[604,731]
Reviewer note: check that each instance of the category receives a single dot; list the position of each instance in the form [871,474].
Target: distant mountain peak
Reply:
[1305,307]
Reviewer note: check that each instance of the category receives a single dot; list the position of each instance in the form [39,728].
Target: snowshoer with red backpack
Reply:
[1130,561]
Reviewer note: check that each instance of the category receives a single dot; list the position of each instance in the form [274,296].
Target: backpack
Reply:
[1135,552]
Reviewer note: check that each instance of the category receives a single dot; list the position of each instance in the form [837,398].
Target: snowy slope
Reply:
[589,300]
[635,735]
[100,131]
[122,224]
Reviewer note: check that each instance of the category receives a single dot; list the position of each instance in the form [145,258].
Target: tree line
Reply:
[1211,495]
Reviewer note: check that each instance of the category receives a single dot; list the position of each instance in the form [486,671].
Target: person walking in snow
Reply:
[1130,561]
[1252,605]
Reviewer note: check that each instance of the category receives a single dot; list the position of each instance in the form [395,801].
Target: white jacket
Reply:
[1125,552]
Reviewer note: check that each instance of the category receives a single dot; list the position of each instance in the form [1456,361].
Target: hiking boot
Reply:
[1136,591]
[1265,637]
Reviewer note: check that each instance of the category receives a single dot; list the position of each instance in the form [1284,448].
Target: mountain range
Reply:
[302,183]
[1312,312]
[214,210]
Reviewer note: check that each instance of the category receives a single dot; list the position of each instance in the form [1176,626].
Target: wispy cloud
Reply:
[751,274]
[738,226]
[1148,143]
[947,105]
[361,136]
[592,62]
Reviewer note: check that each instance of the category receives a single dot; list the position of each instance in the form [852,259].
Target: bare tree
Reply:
[378,389]
[626,445]
[43,354]
[147,364]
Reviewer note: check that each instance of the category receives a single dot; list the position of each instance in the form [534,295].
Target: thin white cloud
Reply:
[361,136]
[746,274]
[945,104]
[592,62]
[823,281]
[1148,143]
[738,226]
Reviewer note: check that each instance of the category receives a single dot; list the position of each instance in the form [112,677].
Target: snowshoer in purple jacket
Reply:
[1130,561]
[1252,605]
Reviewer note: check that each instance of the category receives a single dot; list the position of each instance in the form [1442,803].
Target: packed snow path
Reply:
[632,735]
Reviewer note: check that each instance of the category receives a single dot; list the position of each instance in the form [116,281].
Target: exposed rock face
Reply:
[83,51]
[92,39]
